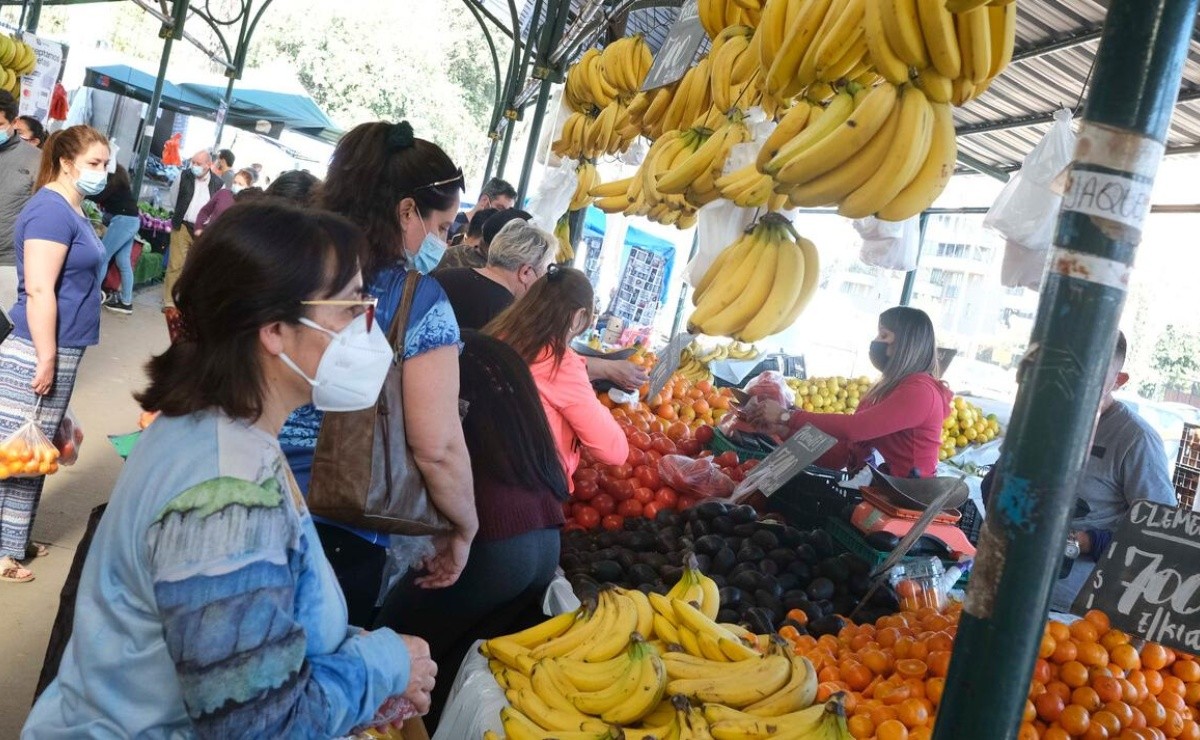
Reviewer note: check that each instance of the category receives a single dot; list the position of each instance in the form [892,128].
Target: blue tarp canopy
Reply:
[662,247]
[594,223]
[247,108]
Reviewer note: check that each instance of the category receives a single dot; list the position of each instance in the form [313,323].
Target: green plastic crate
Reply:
[720,443]
[846,535]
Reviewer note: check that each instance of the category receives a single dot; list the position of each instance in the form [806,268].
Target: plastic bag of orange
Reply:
[27,452]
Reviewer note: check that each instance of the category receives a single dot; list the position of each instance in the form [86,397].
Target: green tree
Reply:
[1175,361]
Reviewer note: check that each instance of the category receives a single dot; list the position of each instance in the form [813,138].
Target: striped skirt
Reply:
[19,496]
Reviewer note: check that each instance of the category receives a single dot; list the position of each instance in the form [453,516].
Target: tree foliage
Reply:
[1175,360]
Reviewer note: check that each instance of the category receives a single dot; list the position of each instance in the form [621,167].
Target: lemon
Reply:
[961,441]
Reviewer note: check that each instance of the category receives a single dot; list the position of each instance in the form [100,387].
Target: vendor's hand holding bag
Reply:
[363,471]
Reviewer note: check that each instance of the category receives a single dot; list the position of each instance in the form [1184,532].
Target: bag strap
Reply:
[398,333]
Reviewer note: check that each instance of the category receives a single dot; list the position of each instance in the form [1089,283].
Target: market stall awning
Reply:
[131,82]
[293,111]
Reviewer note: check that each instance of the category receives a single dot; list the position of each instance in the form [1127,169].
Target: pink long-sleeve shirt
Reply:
[577,418]
[905,427]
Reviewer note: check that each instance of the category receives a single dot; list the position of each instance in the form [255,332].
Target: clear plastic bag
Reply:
[1026,211]
[700,477]
[892,245]
[68,438]
[771,385]
[28,453]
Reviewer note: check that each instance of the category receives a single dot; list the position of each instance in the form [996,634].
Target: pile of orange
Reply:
[1090,681]
[679,409]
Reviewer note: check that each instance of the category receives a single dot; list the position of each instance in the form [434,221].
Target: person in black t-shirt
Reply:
[496,193]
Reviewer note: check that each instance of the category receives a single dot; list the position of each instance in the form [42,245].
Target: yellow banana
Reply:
[802,30]
[614,639]
[664,630]
[730,321]
[901,164]
[798,693]
[790,126]
[812,273]
[509,653]
[687,615]
[739,689]
[701,160]
[552,686]
[834,115]
[844,141]
[688,640]
[934,174]
[772,30]
[847,24]
[901,23]
[806,73]
[736,650]
[937,88]
[709,647]
[836,184]
[607,189]
[511,679]
[580,633]
[975,40]
[729,284]
[850,64]
[534,710]
[962,6]
[941,39]
[883,57]
[729,255]
[710,603]
[1002,23]
[645,613]
[782,296]
[648,691]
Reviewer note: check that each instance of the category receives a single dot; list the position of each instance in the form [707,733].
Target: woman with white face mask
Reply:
[404,193]
[223,199]
[56,317]
[218,612]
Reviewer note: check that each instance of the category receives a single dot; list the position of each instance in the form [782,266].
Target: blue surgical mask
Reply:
[235,188]
[91,182]
[4,136]
[430,254]
[198,170]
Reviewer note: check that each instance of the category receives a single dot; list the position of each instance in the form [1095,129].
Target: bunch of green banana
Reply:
[717,15]
[694,176]
[586,178]
[952,50]
[562,232]
[17,59]
[826,721]
[757,286]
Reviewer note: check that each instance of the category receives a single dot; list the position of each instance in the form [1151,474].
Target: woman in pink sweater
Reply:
[901,416]
[540,327]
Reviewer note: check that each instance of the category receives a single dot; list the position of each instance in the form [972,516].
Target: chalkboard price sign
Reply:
[678,49]
[796,453]
[1148,581]
[668,361]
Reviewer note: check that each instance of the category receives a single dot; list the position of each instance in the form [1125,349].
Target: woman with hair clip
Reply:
[519,490]
[404,193]
[900,417]
[540,326]
[206,607]
[56,317]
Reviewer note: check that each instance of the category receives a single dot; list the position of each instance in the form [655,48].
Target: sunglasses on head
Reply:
[458,178]
[367,303]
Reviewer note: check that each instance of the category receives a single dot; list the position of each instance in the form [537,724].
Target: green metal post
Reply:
[169,33]
[910,277]
[34,17]
[552,31]
[491,160]
[683,288]
[227,100]
[1133,92]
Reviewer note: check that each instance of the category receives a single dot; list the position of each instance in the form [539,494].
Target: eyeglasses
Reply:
[367,303]
[457,178]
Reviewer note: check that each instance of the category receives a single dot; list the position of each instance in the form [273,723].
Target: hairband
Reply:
[400,136]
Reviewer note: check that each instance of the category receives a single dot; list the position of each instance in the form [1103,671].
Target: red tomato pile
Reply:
[605,495]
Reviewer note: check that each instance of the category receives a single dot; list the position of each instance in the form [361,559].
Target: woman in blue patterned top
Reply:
[206,607]
[404,192]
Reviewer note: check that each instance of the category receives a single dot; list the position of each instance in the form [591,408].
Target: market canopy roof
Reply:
[247,109]
[1055,46]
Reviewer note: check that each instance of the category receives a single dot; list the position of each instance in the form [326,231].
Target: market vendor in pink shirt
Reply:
[540,326]
[901,416]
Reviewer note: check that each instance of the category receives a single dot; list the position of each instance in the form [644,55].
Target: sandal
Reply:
[13,572]
[36,550]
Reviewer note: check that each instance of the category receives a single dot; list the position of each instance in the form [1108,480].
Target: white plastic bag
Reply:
[1026,211]
[553,195]
[1022,267]
[721,223]
[892,245]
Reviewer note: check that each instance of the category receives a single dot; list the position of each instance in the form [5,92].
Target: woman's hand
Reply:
[447,563]
[422,672]
[43,377]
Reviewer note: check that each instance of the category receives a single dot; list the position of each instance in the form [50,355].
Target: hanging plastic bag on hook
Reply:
[1026,211]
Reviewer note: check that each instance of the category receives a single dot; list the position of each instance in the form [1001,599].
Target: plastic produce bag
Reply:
[892,245]
[700,477]
[28,453]
[720,224]
[1022,267]
[68,438]
[1027,209]
[771,385]
[553,195]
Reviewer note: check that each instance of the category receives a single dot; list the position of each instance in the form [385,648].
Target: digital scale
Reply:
[886,508]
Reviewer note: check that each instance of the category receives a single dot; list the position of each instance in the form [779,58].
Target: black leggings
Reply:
[499,592]
[358,565]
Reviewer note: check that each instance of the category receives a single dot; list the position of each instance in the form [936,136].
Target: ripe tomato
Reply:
[651,509]
[750,464]
[636,457]
[736,474]
[727,459]
[587,517]
[652,458]
[613,522]
[683,503]
[573,526]
[587,474]
[640,440]
[643,495]
[664,446]
[632,507]
[689,447]
[623,489]
[603,504]
[619,472]
[666,497]
[704,434]
[586,490]
[648,477]
[678,431]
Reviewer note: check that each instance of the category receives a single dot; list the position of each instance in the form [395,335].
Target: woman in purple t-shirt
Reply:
[57,316]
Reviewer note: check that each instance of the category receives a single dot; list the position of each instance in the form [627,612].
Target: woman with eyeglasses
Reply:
[540,327]
[404,193]
[206,607]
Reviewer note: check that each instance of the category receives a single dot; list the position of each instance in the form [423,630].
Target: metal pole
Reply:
[169,33]
[551,34]
[506,145]
[35,16]
[1132,96]
[491,160]
[227,100]
[910,277]
[683,288]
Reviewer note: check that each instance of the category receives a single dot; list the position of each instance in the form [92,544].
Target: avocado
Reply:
[711,509]
[710,544]
[819,589]
[743,514]
[765,539]
[723,561]
[768,567]
[721,525]
[830,625]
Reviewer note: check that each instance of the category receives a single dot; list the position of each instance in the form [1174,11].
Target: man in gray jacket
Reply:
[19,164]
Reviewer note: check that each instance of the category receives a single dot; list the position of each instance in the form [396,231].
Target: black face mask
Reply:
[878,354]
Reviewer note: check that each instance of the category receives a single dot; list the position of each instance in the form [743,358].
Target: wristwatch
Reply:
[1072,551]
[785,417]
